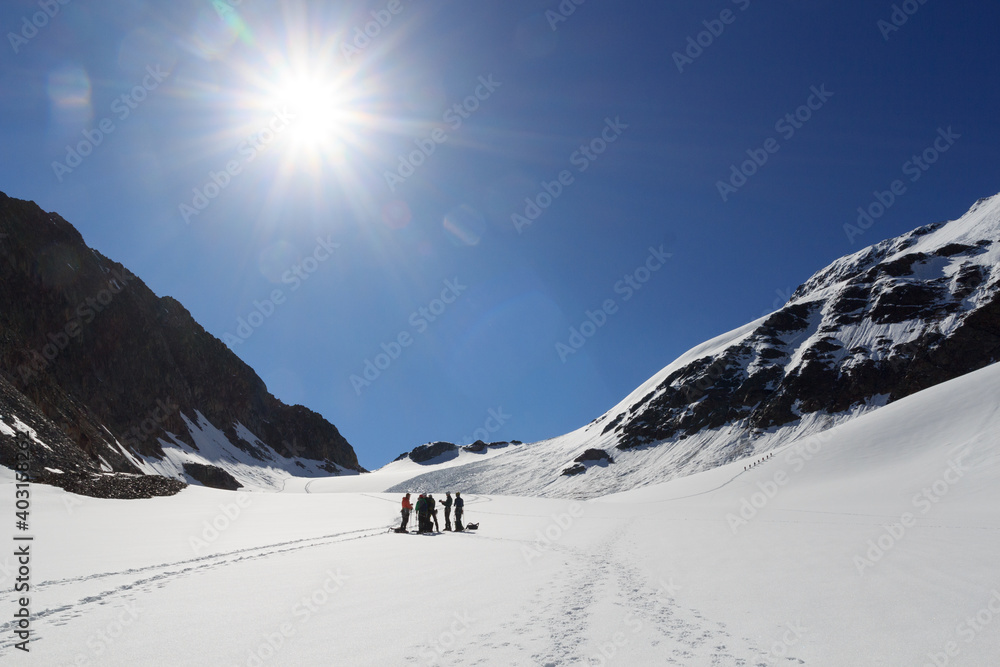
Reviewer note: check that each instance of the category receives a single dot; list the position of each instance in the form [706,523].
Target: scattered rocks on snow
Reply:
[121,486]
[212,476]
[594,455]
[591,455]
[431,450]
[477,447]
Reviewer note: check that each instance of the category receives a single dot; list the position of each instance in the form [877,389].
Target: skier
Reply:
[459,504]
[422,514]
[432,513]
[407,508]
[447,510]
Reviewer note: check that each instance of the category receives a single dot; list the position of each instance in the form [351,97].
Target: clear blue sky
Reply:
[300,132]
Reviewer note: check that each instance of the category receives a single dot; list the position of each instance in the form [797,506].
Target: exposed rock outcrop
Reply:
[111,369]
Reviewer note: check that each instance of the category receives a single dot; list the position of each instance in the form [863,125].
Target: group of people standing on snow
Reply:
[427,514]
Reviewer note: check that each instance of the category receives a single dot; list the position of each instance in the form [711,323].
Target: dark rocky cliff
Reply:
[872,327]
[101,357]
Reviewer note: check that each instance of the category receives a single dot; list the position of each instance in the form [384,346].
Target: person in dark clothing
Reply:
[407,507]
[422,514]
[459,510]
[447,510]
[433,513]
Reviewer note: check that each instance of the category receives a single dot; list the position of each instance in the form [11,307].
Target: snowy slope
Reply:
[659,575]
[255,465]
[872,327]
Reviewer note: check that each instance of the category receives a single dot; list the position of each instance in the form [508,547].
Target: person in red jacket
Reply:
[407,508]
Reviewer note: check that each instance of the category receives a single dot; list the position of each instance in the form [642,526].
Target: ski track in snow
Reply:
[594,595]
[158,576]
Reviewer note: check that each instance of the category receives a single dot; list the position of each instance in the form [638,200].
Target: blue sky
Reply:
[443,201]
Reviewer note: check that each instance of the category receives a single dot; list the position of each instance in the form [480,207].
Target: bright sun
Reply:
[319,115]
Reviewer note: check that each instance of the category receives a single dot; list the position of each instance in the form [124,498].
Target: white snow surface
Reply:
[873,543]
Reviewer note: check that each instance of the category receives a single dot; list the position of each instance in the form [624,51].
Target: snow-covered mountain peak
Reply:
[874,326]
[972,233]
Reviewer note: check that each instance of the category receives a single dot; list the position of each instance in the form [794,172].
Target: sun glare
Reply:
[318,115]
[321,118]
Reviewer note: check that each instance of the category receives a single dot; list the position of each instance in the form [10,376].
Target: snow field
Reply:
[873,543]
[878,537]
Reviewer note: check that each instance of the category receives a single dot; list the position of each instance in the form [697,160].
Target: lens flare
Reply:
[396,214]
[276,259]
[212,36]
[69,96]
[465,225]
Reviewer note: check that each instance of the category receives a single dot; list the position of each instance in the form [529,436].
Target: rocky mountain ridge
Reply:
[872,327]
[116,379]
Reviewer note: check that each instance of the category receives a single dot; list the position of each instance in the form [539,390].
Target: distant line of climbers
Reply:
[758,461]
[427,520]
